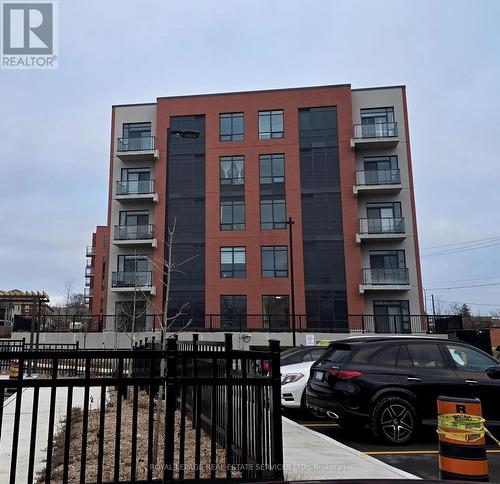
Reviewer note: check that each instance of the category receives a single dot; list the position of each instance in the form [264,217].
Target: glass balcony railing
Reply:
[132,279]
[134,232]
[378,177]
[89,271]
[394,225]
[88,292]
[136,187]
[146,143]
[386,277]
[374,131]
[90,251]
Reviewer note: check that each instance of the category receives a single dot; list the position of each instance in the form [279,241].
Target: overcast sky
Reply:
[55,125]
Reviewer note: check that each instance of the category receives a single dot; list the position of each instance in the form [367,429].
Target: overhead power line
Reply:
[494,237]
[461,287]
[464,302]
[458,250]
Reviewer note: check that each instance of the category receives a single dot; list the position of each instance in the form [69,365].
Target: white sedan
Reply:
[295,366]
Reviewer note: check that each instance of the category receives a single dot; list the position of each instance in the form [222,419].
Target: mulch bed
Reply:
[125,447]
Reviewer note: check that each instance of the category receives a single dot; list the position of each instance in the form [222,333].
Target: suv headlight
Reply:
[291,377]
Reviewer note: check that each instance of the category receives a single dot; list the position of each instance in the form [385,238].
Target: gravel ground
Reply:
[126,442]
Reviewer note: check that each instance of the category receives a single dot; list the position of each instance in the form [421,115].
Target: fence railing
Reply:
[386,277]
[191,412]
[377,130]
[146,143]
[378,177]
[134,232]
[135,187]
[386,225]
[354,323]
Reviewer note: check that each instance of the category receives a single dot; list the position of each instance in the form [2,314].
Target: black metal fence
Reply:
[354,323]
[217,414]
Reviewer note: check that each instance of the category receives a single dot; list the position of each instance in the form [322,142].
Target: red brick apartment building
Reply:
[230,169]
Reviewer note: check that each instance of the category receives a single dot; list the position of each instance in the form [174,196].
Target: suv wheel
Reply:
[394,420]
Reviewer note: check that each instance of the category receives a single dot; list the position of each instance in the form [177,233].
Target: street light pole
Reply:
[290,223]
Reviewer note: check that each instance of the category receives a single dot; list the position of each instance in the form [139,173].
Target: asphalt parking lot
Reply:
[419,458]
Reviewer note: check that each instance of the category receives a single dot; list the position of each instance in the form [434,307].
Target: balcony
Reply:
[137,149]
[133,281]
[381,229]
[377,182]
[90,251]
[379,135]
[88,292]
[136,190]
[131,235]
[385,280]
[89,271]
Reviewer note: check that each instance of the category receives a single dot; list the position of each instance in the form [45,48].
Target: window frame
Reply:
[278,273]
[231,226]
[232,136]
[273,178]
[232,159]
[273,201]
[230,274]
[271,134]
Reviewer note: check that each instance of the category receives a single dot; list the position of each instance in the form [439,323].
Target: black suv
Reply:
[392,383]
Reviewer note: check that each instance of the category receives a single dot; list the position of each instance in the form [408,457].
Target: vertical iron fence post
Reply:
[194,396]
[277,435]
[229,406]
[170,400]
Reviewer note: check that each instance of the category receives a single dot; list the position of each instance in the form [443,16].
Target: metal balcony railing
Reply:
[136,187]
[146,143]
[89,271]
[394,225]
[90,251]
[374,131]
[134,232]
[386,277]
[132,279]
[378,177]
[88,292]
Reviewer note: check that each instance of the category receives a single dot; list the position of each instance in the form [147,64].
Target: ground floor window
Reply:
[233,311]
[129,316]
[276,311]
[392,316]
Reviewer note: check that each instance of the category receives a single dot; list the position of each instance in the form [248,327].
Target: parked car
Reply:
[295,366]
[392,383]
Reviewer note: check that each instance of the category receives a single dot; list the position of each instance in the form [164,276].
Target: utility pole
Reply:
[290,223]
[433,307]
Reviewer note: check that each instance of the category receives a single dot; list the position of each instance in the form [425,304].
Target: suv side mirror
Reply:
[494,372]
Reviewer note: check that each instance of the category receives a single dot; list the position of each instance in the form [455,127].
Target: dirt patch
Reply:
[92,447]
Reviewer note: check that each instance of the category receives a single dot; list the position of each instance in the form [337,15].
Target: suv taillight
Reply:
[344,374]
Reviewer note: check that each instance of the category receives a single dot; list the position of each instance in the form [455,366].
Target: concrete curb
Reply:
[380,469]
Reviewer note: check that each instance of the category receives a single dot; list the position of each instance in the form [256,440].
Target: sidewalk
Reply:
[310,455]
[42,427]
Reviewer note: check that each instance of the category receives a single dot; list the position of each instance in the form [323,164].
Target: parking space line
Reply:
[403,452]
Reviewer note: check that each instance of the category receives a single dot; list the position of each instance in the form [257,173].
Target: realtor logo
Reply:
[29,35]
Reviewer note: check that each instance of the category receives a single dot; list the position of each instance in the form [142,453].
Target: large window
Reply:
[136,130]
[274,261]
[383,218]
[271,124]
[233,312]
[232,170]
[233,262]
[276,311]
[231,126]
[135,180]
[391,316]
[387,259]
[272,169]
[272,213]
[130,316]
[378,122]
[232,214]
[136,137]
[133,271]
